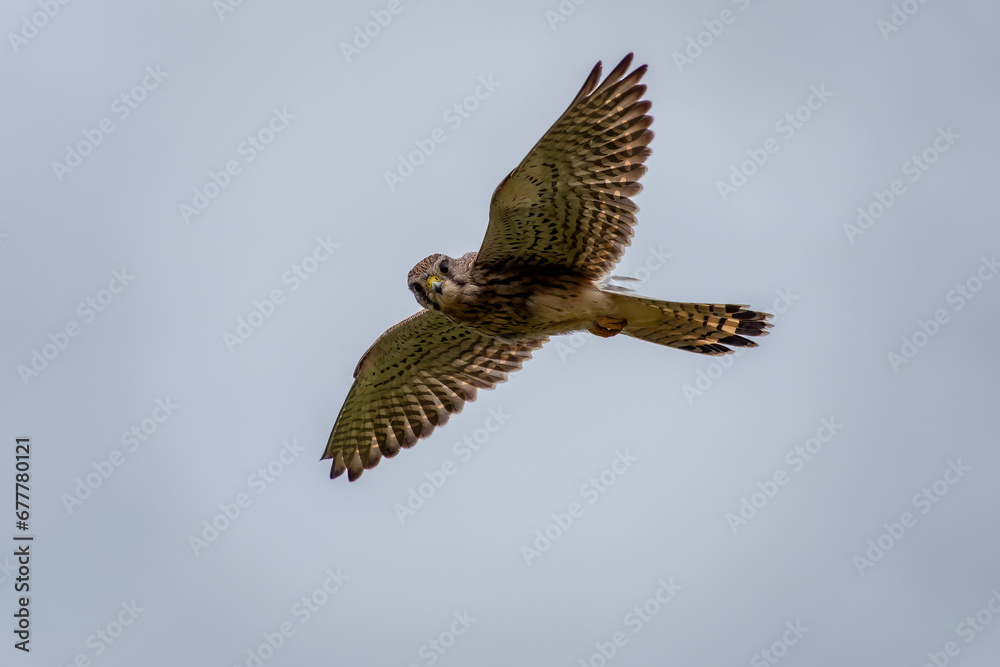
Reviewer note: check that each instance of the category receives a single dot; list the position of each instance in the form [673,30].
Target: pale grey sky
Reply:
[200,239]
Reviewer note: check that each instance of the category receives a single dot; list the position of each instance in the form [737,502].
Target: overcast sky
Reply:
[210,209]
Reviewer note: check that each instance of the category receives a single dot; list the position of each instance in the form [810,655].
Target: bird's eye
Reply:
[416,287]
[443,269]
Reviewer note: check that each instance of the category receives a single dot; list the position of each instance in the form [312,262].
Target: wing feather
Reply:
[414,377]
[567,205]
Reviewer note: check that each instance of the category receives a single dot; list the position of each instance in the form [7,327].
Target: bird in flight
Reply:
[557,226]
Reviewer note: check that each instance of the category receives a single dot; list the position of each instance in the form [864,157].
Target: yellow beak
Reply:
[433,284]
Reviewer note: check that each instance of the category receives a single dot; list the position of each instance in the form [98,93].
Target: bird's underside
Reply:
[558,224]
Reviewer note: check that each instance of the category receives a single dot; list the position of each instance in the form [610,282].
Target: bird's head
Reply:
[438,277]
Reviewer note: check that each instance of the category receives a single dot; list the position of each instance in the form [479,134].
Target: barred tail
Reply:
[697,327]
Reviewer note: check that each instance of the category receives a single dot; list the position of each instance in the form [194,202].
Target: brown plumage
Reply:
[410,381]
[558,224]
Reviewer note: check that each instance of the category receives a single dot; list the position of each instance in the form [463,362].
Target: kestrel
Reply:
[558,224]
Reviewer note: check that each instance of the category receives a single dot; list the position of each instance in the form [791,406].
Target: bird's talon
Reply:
[606,327]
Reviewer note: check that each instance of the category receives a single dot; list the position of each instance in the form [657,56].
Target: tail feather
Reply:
[696,327]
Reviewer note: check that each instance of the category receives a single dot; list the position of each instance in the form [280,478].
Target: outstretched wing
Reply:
[411,380]
[567,204]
